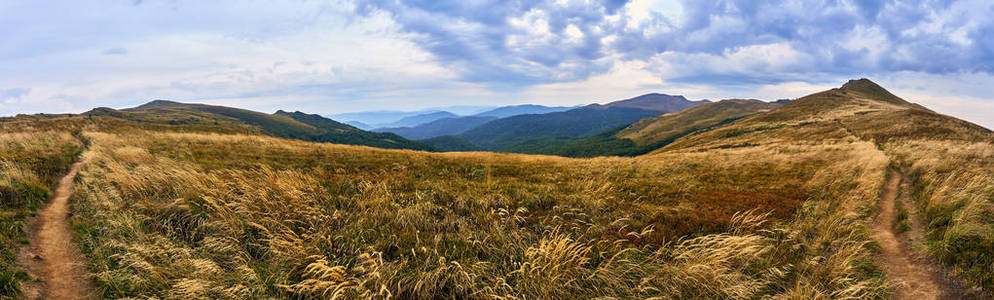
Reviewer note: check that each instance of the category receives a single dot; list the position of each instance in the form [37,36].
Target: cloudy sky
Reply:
[343,56]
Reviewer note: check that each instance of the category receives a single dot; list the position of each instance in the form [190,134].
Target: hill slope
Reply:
[297,125]
[948,162]
[652,133]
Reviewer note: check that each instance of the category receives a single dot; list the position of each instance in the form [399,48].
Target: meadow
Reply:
[202,215]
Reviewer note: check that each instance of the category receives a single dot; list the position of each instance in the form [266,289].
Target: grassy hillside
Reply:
[175,116]
[672,125]
[652,133]
[949,160]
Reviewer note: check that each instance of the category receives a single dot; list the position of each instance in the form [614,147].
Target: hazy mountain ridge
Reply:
[376,117]
[523,109]
[415,120]
[446,126]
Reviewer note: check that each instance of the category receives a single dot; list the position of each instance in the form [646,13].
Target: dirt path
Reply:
[52,256]
[914,278]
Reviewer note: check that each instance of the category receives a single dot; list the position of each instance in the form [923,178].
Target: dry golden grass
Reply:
[179,215]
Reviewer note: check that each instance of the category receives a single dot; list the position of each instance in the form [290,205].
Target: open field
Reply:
[235,216]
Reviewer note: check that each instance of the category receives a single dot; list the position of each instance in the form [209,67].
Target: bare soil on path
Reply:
[913,276]
[52,257]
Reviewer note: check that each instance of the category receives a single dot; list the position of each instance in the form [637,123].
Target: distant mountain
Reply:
[447,126]
[545,132]
[657,102]
[514,110]
[384,118]
[464,110]
[652,133]
[296,125]
[376,117]
[415,120]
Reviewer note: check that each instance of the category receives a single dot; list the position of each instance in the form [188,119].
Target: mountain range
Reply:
[625,127]
[547,133]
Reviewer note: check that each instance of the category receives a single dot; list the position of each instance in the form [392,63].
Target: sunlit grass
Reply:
[239,216]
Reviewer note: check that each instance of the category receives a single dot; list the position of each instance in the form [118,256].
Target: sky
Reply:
[344,56]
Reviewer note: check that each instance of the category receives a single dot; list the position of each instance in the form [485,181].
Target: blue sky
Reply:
[343,56]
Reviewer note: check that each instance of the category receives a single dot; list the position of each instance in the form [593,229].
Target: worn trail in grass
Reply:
[913,279]
[52,256]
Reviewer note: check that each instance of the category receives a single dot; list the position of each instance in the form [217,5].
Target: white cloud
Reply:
[777,61]
[364,55]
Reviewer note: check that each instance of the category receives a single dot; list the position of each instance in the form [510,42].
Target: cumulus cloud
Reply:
[551,41]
